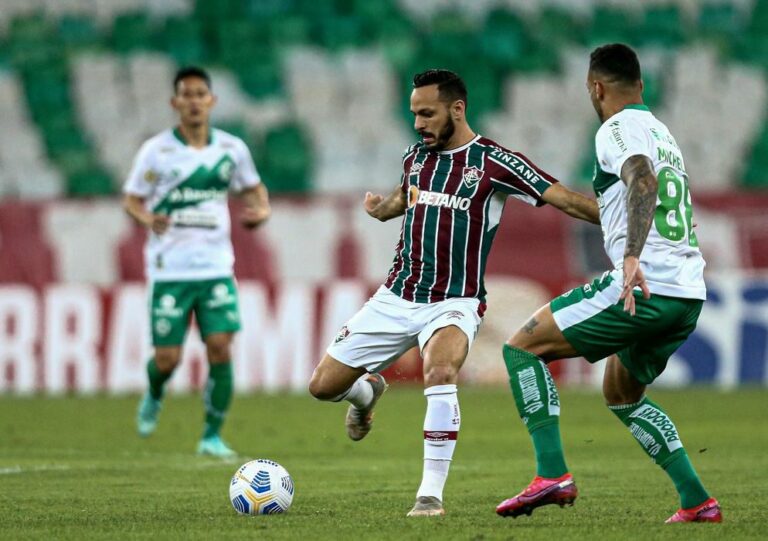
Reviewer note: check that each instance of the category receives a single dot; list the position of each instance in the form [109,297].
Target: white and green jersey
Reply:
[191,186]
[671,259]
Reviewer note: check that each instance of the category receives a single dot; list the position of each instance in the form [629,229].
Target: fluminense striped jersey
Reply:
[455,201]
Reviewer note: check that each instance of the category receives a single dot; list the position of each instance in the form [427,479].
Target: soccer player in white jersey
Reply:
[636,314]
[451,196]
[178,188]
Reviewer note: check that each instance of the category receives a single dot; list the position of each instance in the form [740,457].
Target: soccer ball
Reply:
[261,487]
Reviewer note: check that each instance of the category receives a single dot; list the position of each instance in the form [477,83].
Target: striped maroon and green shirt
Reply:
[455,201]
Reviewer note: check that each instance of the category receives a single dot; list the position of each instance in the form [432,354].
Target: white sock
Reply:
[441,428]
[360,394]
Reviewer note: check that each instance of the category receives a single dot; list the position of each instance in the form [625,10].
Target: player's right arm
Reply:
[139,186]
[385,208]
[624,148]
[134,206]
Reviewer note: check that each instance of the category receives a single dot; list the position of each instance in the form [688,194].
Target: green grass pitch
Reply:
[73,468]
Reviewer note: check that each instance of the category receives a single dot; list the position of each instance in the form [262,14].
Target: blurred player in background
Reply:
[643,310]
[178,188]
[452,192]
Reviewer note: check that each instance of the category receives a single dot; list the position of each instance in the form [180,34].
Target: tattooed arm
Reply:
[642,188]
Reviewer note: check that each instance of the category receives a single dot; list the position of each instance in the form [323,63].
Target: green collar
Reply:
[637,107]
[177,134]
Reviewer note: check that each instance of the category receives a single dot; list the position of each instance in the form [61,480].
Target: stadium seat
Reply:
[662,25]
[285,160]
[77,31]
[182,39]
[90,182]
[131,32]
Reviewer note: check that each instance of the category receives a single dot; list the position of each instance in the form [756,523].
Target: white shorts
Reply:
[388,326]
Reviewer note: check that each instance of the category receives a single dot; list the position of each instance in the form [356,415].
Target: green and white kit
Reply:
[592,317]
[191,186]
[190,266]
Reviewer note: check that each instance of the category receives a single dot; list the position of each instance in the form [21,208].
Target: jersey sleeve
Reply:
[619,140]
[408,156]
[514,174]
[246,175]
[143,177]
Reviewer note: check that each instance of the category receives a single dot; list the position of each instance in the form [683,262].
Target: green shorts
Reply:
[593,320]
[214,303]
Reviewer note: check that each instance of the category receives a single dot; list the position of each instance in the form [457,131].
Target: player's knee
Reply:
[218,349]
[617,397]
[319,389]
[167,360]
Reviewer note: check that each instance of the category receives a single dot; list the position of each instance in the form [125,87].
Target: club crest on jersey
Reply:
[343,333]
[472,175]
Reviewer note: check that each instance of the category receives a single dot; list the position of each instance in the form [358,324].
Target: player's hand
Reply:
[160,223]
[633,276]
[372,201]
[252,217]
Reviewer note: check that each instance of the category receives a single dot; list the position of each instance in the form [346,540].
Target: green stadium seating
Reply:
[718,20]
[182,39]
[610,25]
[662,25]
[560,26]
[89,183]
[285,160]
[132,32]
[504,39]
[340,31]
[78,32]
[261,77]
[288,30]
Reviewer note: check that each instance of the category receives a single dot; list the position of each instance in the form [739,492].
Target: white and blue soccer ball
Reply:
[261,487]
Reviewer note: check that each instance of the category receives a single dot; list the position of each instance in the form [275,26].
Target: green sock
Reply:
[539,407]
[657,435]
[218,396]
[157,379]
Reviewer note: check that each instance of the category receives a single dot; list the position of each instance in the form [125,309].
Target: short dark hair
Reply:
[191,71]
[617,61]
[450,86]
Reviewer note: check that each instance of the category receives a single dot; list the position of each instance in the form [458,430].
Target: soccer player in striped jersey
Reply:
[452,193]
[178,189]
[637,314]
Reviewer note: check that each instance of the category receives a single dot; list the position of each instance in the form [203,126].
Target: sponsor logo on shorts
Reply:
[343,333]
[162,327]
[454,314]
[167,307]
[221,296]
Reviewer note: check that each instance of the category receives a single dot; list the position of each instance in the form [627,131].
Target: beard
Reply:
[445,134]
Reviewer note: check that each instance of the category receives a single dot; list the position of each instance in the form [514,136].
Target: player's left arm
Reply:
[572,203]
[257,209]
[642,189]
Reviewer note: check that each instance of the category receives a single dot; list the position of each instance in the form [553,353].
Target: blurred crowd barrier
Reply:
[73,306]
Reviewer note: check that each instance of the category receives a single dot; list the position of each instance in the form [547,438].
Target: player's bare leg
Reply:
[159,370]
[657,435]
[444,355]
[218,394]
[335,381]
[537,401]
